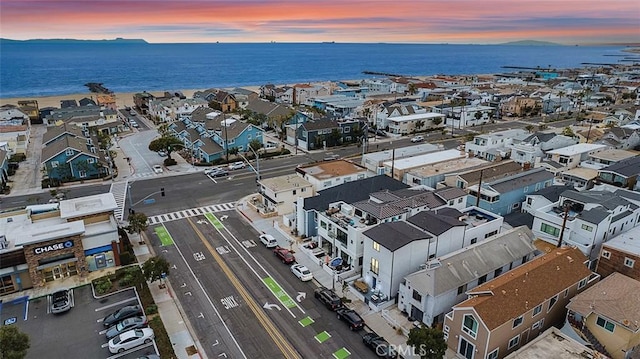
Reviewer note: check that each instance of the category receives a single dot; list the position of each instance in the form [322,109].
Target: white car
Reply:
[157,169]
[417,139]
[302,272]
[268,240]
[130,339]
[208,171]
[237,165]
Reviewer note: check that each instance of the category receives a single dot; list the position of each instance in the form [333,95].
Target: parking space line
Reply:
[132,350]
[114,305]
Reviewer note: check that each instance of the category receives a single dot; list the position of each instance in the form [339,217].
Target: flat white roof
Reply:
[426,159]
[414,117]
[628,241]
[84,206]
[577,149]
[39,234]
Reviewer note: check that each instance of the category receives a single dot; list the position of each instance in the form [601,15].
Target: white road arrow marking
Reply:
[271,306]
[301,296]
[222,218]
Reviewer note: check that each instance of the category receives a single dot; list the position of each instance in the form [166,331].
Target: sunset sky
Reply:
[407,21]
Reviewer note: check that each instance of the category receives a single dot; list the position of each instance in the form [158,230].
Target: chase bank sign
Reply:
[53,247]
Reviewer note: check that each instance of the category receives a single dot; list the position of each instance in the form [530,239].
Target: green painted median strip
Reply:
[216,223]
[306,321]
[165,237]
[282,296]
[341,354]
[322,337]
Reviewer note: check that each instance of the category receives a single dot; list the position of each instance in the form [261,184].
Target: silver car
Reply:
[60,301]
[126,325]
[130,339]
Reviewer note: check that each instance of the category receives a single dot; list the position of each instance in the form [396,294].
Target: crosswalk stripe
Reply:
[192,212]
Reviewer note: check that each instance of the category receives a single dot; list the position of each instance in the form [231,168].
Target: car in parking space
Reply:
[219,173]
[237,165]
[60,301]
[328,297]
[284,255]
[302,272]
[162,153]
[415,139]
[130,339]
[157,169]
[268,240]
[379,345]
[122,313]
[351,317]
[150,356]
[126,325]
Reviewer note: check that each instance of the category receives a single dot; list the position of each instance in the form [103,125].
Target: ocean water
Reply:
[43,68]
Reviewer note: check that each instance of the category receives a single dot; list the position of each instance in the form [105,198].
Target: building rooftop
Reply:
[417,116]
[582,173]
[616,297]
[523,288]
[553,343]
[613,154]
[628,242]
[425,160]
[576,149]
[452,166]
[330,169]
[285,183]
[395,235]
[627,167]
[85,206]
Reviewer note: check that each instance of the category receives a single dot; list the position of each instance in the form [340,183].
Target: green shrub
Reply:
[18,157]
[170,162]
[151,309]
[102,285]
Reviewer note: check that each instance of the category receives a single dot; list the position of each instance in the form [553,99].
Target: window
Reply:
[470,325]
[536,310]
[417,296]
[497,272]
[629,262]
[482,279]
[529,201]
[526,189]
[606,254]
[566,292]
[537,324]
[490,234]
[474,240]
[82,174]
[552,301]
[323,225]
[582,283]
[513,342]
[69,152]
[462,289]
[460,200]
[90,160]
[376,246]
[549,229]
[587,228]
[601,322]
[517,321]
[466,349]
[375,265]
[493,354]
[54,164]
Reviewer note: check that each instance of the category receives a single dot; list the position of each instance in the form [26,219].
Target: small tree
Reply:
[166,143]
[419,125]
[567,131]
[255,144]
[155,268]
[542,127]
[429,342]
[13,343]
[529,128]
[137,223]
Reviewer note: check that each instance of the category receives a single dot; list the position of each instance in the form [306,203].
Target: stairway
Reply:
[588,336]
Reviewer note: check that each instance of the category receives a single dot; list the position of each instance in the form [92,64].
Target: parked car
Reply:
[302,272]
[268,240]
[126,325]
[60,301]
[162,153]
[122,313]
[208,171]
[379,345]
[157,169]
[219,173]
[331,158]
[130,339]
[237,165]
[353,319]
[328,297]
[417,139]
[133,124]
[284,254]
[150,356]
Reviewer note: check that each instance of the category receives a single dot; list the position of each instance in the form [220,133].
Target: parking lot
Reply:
[77,333]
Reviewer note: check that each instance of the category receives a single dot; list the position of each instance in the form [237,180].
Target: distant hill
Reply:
[531,43]
[118,40]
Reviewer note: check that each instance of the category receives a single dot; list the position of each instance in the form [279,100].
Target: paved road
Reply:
[224,278]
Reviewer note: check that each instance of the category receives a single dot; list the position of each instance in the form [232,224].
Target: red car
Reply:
[285,255]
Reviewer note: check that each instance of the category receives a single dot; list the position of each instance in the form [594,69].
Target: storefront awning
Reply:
[53,264]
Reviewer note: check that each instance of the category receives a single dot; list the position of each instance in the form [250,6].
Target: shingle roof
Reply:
[434,223]
[320,125]
[210,146]
[395,235]
[541,136]
[57,131]
[608,200]
[520,180]
[448,193]
[351,192]
[552,193]
[616,297]
[499,170]
[523,288]
[628,167]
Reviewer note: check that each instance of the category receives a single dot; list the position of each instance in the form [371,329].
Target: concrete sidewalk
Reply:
[390,323]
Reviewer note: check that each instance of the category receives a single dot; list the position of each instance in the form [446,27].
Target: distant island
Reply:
[118,40]
[530,43]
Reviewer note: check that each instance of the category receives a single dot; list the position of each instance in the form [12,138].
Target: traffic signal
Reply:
[162,191]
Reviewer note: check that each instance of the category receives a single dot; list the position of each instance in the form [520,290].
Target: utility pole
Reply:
[479,189]
[226,139]
[589,132]
[564,224]
[393,159]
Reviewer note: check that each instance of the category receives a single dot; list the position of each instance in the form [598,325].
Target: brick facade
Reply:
[32,258]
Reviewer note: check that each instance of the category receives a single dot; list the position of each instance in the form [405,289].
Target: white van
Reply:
[268,240]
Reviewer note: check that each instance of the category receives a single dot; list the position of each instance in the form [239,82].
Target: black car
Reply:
[352,318]
[126,325]
[60,301]
[328,297]
[122,313]
[379,345]
[220,173]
